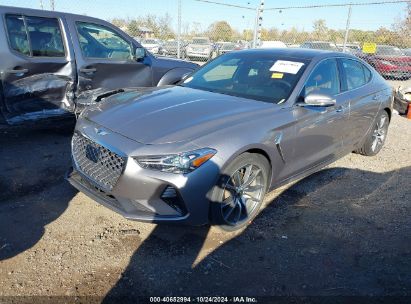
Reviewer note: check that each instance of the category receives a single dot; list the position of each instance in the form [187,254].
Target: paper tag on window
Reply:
[283,66]
[277,75]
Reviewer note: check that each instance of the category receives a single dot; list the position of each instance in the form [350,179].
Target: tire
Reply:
[236,199]
[375,139]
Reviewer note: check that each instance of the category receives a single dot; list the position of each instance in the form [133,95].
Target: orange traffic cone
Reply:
[409,111]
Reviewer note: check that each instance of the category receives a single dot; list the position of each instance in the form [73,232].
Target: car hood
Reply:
[171,114]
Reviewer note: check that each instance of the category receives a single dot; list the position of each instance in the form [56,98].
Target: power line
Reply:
[309,6]
[340,4]
[227,4]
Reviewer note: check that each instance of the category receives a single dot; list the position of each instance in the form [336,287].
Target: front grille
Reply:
[96,162]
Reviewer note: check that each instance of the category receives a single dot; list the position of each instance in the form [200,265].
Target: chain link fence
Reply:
[376,30]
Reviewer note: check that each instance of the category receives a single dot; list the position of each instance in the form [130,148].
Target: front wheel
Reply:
[376,137]
[238,195]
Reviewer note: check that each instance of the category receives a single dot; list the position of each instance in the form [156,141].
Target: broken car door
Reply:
[38,74]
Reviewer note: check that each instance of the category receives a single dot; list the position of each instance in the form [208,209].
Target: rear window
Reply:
[35,36]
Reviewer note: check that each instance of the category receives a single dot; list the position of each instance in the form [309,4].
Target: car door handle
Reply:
[88,70]
[18,71]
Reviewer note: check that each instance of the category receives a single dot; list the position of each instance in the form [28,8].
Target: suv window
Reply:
[97,41]
[45,36]
[355,73]
[324,79]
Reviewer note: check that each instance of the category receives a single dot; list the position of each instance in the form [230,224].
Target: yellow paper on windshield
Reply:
[277,75]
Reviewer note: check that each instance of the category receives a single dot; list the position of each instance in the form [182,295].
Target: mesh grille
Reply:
[97,162]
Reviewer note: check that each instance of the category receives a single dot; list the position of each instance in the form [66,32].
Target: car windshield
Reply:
[389,51]
[201,41]
[255,76]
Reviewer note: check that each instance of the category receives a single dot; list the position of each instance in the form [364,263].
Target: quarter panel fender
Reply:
[173,76]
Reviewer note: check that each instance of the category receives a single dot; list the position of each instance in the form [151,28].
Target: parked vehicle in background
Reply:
[407,52]
[152,45]
[170,48]
[51,59]
[320,45]
[200,48]
[272,44]
[225,47]
[390,62]
[208,149]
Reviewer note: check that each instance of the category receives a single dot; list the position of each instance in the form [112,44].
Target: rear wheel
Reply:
[238,195]
[376,137]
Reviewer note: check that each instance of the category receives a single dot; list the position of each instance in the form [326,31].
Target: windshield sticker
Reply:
[277,75]
[283,66]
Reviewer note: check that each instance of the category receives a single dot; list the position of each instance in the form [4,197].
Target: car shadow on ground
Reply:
[33,190]
[338,232]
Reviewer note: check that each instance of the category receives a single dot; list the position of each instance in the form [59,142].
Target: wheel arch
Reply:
[272,157]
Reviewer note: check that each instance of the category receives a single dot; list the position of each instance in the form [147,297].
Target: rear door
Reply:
[37,69]
[104,57]
[364,99]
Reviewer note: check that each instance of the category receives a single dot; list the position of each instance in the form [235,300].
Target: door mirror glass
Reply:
[318,100]
[139,53]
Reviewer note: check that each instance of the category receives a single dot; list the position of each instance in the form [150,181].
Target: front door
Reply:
[37,73]
[105,58]
[320,130]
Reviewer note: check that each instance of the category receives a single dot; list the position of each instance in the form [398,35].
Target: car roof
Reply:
[294,52]
[23,11]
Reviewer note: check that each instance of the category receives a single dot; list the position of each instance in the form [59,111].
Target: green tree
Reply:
[320,30]
[220,31]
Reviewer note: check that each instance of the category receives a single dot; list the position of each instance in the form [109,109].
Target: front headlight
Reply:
[177,163]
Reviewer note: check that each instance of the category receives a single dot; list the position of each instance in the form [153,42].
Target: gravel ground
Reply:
[345,230]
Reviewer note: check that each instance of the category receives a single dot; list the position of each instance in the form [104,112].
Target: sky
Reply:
[363,17]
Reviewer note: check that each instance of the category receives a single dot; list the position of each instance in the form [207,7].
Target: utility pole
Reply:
[347,28]
[258,25]
[179,30]
[41,5]
[52,5]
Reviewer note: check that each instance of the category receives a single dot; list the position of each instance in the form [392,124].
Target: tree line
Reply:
[398,35]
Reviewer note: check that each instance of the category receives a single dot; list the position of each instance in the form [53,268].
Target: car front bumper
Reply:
[194,54]
[143,194]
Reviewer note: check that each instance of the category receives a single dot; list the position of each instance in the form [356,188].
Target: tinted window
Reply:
[17,34]
[98,41]
[45,37]
[250,76]
[354,72]
[44,33]
[324,79]
[367,73]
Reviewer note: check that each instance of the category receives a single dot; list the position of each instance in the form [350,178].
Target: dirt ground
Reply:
[343,231]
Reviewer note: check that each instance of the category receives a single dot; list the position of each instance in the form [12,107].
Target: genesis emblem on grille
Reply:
[92,153]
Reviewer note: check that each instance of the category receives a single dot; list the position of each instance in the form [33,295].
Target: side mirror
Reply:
[318,100]
[139,53]
[185,75]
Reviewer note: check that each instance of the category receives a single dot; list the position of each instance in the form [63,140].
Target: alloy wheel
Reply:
[380,132]
[242,194]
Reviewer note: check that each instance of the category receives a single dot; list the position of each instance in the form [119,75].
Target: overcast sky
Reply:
[363,17]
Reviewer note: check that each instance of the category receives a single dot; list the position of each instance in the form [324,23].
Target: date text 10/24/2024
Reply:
[203,299]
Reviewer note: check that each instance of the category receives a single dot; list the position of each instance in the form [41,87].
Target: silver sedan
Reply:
[208,149]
